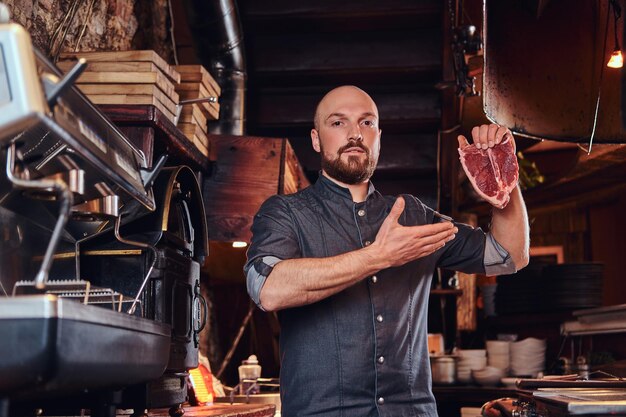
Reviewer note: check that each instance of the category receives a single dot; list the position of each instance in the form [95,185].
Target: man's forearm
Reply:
[296,282]
[509,226]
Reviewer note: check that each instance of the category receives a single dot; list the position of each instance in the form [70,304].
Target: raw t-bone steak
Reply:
[492,171]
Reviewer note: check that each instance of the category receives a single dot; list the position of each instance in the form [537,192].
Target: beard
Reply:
[353,171]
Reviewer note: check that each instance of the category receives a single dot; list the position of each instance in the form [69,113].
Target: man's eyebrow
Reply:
[335,115]
[370,114]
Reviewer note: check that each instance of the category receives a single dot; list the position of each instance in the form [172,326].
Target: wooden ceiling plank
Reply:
[315,52]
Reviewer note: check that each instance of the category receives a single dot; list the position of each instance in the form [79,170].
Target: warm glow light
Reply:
[202,383]
[239,244]
[617,60]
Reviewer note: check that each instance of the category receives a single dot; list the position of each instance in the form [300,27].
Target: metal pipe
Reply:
[152,249]
[216,29]
[66,200]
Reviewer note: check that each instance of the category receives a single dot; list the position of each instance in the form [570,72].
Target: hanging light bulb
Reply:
[616,60]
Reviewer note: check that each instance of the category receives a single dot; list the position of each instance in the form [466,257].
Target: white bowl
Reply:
[509,382]
[488,376]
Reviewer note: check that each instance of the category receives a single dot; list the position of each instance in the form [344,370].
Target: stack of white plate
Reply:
[498,354]
[470,359]
[488,376]
[528,357]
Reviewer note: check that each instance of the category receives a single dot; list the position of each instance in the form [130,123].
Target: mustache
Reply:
[353,144]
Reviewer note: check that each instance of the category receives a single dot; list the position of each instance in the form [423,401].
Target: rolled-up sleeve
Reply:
[274,239]
[497,260]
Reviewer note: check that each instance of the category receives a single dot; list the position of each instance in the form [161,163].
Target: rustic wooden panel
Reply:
[344,8]
[142,138]
[247,171]
[466,313]
[332,16]
[294,178]
[408,107]
[565,227]
[608,228]
[352,52]
[466,302]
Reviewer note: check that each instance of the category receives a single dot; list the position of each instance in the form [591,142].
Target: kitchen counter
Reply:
[450,399]
[222,410]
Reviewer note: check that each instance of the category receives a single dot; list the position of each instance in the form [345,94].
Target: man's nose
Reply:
[355,132]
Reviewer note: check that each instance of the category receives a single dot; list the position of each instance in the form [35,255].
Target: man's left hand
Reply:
[486,136]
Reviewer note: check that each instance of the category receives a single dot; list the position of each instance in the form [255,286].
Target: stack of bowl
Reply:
[498,354]
[528,357]
[469,360]
[488,376]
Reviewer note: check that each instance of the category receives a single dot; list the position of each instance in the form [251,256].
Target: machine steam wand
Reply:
[47,186]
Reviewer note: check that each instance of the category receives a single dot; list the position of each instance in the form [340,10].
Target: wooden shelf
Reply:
[222,410]
[167,137]
[450,292]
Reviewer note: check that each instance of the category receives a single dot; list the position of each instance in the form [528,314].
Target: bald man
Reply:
[349,271]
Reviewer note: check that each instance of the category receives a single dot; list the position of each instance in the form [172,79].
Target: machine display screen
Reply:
[5,91]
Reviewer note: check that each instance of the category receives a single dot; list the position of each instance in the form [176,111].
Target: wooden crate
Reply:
[124,57]
[196,82]
[246,172]
[127,77]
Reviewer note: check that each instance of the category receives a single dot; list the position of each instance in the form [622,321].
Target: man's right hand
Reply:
[398,245]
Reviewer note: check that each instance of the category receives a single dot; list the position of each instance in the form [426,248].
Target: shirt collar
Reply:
[328,187]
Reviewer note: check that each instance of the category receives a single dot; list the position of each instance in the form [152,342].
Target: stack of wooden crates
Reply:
[144,78]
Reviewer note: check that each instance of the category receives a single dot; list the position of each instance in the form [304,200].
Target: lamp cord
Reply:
[595,116]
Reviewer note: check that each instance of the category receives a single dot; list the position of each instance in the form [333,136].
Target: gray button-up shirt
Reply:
[363,351]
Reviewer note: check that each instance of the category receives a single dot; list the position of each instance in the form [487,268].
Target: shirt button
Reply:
[379,318]
[381,359]
[367,243]
[361,213]
[374,279]
[381,400]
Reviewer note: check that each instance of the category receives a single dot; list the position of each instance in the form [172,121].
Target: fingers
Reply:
[396,210]
[435,234]
[462,141]
[487,136]
[427,239]
[433,243]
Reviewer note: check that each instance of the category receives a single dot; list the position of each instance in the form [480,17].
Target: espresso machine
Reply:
[100,253]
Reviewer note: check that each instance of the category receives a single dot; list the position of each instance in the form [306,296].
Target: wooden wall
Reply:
[608,245]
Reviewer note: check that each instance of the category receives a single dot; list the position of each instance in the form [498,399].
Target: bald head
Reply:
[339,97]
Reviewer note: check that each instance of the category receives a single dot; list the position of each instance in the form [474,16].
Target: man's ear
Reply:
[315,140]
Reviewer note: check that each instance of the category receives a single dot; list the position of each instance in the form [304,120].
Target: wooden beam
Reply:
[349,51]
[275,109]
[302,16]
[408,76]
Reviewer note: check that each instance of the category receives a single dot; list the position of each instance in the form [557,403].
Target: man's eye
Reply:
[368,123]
[336,123]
